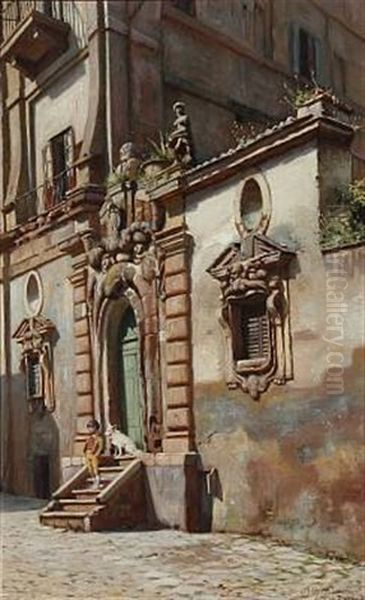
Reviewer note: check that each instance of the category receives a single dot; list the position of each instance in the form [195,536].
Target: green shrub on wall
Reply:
[347,225]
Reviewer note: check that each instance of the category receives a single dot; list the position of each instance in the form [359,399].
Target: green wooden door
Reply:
[130,383]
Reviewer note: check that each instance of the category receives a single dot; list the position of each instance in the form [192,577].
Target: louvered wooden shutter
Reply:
[47,175]
[250,330]
[255,335]
[69,149]
[34,377]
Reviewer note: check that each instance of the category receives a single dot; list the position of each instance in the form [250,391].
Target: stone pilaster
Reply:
[83,361]
[175,243]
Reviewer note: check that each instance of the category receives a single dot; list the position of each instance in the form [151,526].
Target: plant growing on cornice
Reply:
[348,225]
[150,181]
[300,93]
[160,150]
[242,132]
[114,178]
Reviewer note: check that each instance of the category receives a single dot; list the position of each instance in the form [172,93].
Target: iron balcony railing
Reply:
[48,194]
[14,12]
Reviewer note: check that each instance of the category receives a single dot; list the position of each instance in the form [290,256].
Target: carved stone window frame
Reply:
[259,270]
[35,335]
[264,221]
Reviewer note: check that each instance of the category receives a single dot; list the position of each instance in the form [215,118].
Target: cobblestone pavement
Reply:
[40,563]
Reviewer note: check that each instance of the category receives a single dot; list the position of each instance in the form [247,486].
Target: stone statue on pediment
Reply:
[180,139]
[129,162]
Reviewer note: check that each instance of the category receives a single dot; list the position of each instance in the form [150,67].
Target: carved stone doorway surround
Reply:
[142,299]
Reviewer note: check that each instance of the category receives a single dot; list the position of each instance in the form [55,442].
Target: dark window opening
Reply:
[58,158]
[52,8]
[34,376]
[251,330]
[41,476]
[47,8]
[187,6]
[307,55]
[59,164]
[339,75]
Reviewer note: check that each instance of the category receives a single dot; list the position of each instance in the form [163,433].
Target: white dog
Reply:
[122,443]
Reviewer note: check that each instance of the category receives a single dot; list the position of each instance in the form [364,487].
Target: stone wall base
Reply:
[174,489]
[69,466]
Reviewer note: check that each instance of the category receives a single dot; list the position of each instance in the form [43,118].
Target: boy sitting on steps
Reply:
[92,450]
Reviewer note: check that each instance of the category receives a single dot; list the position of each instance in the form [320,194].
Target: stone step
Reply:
[103,483]
[125,458]
[107,474]
[65,520]
[77,504]
[85,493]
[113,469]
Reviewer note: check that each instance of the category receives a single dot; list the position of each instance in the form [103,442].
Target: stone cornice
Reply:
[173,239]
[271,144]
[80,201]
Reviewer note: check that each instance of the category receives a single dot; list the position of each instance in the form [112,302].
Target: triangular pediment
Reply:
[225,258]
[255,246]
[263,244]
[33,325]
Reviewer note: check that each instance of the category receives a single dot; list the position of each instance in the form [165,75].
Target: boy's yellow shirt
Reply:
[94,444]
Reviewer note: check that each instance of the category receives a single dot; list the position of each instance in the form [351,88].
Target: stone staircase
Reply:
[119,501]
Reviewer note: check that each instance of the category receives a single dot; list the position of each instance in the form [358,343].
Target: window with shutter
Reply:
[59,166]
[34,376]
[306,54]
[251,328]
[58,159]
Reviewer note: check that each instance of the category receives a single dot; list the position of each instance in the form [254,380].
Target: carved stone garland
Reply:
[122,262]
[35,337]
[256,275]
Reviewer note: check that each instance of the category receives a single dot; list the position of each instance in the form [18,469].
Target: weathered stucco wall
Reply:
[63,105]
[289,465]
[43,433]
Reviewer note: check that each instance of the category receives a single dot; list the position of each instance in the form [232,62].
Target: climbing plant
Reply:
[345,224]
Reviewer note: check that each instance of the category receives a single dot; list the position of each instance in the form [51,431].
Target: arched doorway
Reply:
[127,382]
[130,397]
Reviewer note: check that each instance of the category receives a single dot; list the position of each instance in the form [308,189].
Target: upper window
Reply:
[52,8]
[187,6]
[339,75]
[306,54]
[58,158]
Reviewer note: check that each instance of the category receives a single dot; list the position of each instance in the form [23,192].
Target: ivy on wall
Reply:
[344,223]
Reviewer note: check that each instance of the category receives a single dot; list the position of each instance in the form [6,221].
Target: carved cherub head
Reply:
[105,263]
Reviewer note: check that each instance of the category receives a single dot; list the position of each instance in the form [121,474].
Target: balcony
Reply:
[34,34]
